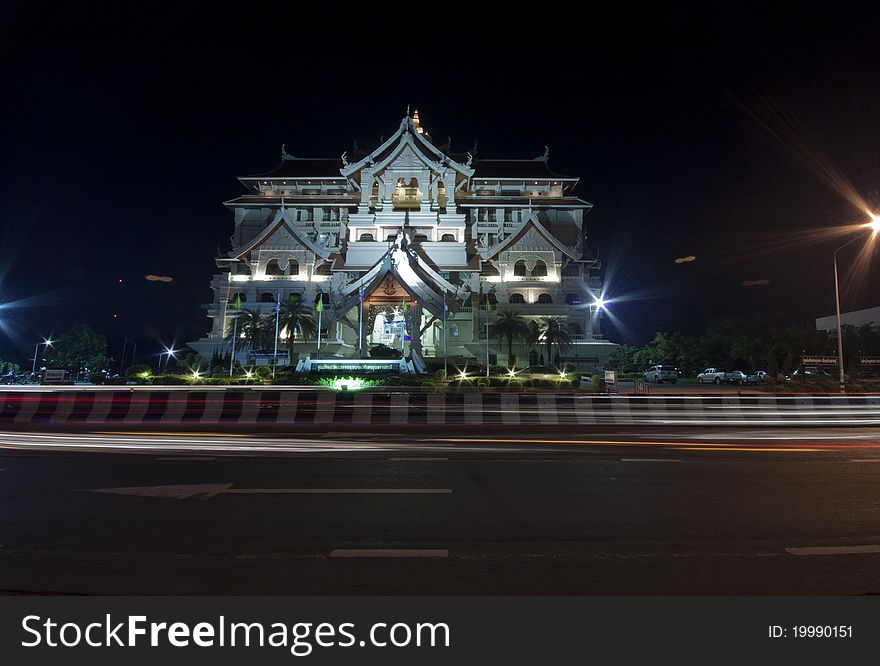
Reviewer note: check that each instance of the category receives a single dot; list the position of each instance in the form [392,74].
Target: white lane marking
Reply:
[651,460]
[417,459]
[208,490]
[834,550]
[389,552]
[182,491]
[864,460]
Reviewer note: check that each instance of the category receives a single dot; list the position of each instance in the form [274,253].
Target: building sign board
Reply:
[817,359]
[352,365]
[869,362]
[54,376]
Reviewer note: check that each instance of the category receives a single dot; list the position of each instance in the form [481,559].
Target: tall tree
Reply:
[555,333]
[512,327]
[297,319]
[253,329]
[78,349]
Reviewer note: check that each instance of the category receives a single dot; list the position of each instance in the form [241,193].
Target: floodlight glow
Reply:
[600,303]
[874,224]
[347,383]
[511,372]
[248,374]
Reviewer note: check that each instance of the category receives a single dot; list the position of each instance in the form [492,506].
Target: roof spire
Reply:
[416,122]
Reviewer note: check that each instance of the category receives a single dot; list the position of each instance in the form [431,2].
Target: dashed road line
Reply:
[678,460]
[835,550]
[389,552]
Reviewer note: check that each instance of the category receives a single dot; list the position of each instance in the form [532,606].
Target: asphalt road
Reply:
[466,511]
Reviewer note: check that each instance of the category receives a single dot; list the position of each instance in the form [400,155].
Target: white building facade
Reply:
[405,245]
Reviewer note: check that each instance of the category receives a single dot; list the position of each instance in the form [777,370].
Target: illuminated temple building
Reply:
[412,235]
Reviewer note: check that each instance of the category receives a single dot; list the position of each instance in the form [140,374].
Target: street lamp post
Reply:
[167,353]
[48,343]
[874,226]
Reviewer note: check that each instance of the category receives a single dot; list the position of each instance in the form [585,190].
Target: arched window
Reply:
[293,267]
[571,270]
[272,268]
[519,268]
[493,299]
[366,237]
[323,269]
[240,296]
[545,298]
[517,298]
[540,269]
[572,299]
[420,238]
[447,238]
[267,297]
[489,270]
[575,328]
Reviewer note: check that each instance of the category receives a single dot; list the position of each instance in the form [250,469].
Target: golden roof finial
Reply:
[416,122]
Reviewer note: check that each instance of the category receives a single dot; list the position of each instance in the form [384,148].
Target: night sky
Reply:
[694,132]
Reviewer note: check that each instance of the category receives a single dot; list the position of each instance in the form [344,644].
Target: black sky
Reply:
[694,132]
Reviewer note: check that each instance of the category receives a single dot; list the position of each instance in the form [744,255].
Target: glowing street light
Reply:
[874,226]
[168,353]
[48,343]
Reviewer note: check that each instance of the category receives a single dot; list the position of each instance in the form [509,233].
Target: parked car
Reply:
[711,376]
[661,373]
[811,371]
[735,377]
[758,377]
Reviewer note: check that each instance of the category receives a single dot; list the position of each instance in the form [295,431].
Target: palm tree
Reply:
[555,333]
[533,335]
[511,326]
[298,319]
[253,328]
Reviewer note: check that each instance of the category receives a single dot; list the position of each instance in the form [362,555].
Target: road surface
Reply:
[537,510]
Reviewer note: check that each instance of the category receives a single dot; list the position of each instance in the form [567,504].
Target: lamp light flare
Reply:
[874,224]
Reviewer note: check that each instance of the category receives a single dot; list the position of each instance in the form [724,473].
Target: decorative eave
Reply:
[282,218]
[263,201]
[531,220]
[477,201]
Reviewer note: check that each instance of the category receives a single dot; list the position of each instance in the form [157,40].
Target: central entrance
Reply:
[393,317]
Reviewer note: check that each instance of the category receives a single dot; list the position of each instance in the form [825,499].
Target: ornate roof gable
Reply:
[414,275]
[530,225]
[284,228]
[413,148]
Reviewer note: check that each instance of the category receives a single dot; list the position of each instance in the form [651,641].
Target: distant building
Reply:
[856,318]
[405,234]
